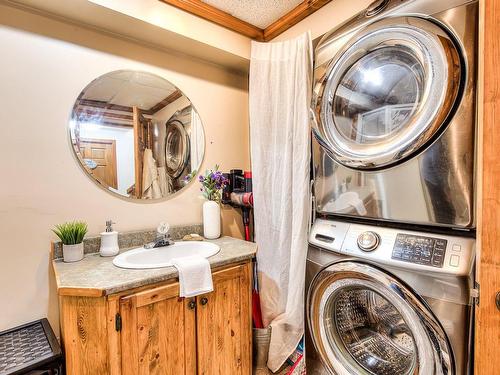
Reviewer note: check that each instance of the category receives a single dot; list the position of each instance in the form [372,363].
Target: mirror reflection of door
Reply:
[100,156]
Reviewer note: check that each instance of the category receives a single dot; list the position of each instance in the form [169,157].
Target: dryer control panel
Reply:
[395,247]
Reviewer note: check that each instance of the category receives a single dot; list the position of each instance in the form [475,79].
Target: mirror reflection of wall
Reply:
[137,135]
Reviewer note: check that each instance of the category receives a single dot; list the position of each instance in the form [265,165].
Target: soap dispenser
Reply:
[109,241]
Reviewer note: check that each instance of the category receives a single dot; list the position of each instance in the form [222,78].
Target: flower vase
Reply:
[211,220]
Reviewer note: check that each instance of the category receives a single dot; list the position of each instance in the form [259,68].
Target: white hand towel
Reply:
[195,276]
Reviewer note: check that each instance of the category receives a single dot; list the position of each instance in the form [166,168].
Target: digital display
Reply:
[419,250]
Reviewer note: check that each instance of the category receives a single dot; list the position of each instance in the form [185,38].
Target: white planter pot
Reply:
[73,253]
[211,220]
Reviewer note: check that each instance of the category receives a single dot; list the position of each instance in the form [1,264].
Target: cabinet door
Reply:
[158,332]
[224,324]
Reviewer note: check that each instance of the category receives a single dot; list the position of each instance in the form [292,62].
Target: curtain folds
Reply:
[280,87]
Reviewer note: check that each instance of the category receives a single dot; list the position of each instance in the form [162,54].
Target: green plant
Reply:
[71,233]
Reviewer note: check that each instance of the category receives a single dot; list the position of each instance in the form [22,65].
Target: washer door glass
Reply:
[371,330]
[365,321]
[387,93]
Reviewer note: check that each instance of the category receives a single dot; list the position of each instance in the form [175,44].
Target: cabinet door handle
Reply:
[192,304]
[204,301]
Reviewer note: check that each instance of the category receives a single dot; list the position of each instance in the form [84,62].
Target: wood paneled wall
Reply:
[487,336]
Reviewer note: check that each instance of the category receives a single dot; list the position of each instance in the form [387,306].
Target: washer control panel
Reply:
[399,248]
[419,249]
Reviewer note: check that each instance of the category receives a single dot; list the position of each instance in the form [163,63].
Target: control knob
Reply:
[368,241]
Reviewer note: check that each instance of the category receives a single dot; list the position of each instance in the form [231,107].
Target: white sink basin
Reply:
[162,256]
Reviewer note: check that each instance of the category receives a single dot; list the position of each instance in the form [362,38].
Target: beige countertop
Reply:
[96,276]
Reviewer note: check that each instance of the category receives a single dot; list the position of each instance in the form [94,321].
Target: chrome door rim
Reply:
[183,157]
[438,55]
[433,350]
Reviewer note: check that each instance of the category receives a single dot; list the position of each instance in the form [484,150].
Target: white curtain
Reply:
[280,86]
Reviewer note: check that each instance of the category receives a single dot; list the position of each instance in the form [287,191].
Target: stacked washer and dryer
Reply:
[391,255]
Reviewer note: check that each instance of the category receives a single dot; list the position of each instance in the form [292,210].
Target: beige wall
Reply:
[44,65]
[326,18]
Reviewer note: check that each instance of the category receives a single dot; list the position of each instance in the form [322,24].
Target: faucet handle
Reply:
[163,228]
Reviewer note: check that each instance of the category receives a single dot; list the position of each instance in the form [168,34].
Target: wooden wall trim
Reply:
[215,15]
[160,105]
[104,105]
[487,335]
[87,112]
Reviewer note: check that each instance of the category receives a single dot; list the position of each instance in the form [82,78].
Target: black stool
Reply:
[30,349]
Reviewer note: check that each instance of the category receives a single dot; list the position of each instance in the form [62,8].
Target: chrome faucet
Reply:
[162,237]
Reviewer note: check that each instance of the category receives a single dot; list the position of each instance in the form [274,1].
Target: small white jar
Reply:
[109,244]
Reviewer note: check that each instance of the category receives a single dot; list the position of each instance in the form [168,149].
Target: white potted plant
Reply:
[213,182]
[71,235]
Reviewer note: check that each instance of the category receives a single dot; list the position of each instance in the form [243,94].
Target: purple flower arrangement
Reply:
[212,184]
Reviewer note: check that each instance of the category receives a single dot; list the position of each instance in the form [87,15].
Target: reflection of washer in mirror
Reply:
[176,148]
[118,133]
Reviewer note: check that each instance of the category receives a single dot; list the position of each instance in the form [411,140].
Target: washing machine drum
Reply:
[364,320]
[388,93]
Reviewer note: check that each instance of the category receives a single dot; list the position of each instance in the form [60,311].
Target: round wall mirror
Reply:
[137,135]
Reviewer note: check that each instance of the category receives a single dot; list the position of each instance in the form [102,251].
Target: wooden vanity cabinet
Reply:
[154,331]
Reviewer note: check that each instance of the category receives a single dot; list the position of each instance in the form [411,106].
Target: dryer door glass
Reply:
[176,148]
[365,321]
[378,96]
[388,93]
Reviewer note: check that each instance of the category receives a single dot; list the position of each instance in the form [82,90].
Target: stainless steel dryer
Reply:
[394,114]
[387,301]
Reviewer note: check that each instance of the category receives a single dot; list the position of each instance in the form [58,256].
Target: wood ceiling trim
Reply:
[93,113]
[104,105]
[215,15]
[116,107]
[293,17]
[169,99]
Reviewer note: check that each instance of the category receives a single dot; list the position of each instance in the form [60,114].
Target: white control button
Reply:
[454,260]
[456,247]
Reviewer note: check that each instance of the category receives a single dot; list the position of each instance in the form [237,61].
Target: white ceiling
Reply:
[260,13]
[129,89]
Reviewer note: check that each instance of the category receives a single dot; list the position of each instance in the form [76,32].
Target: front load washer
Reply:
[393,114]
[387,301]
